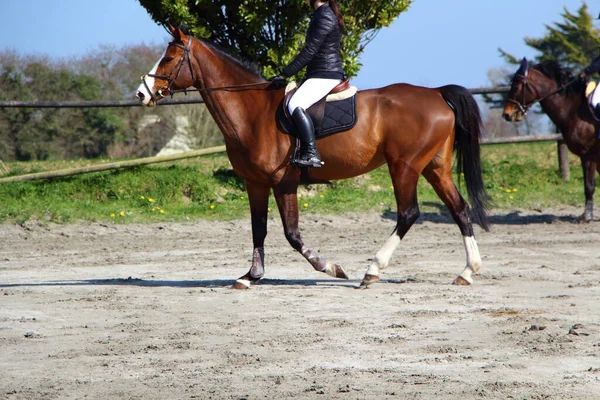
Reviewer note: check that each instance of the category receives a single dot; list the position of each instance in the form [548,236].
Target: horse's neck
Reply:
[227,106]
[561,107]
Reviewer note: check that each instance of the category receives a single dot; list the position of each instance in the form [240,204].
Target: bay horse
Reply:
[412,129]
[562,98]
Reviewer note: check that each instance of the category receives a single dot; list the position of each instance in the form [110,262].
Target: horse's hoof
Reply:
[339,272]
[241,285]
[461,281]
[368,280]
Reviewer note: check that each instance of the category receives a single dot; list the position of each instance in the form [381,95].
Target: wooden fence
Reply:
[561,147]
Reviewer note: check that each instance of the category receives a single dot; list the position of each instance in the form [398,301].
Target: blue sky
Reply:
[434,43]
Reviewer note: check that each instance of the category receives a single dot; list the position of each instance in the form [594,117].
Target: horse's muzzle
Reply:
[142,98]
[515,116]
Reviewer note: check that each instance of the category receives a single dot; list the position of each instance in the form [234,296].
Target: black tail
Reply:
[469,128]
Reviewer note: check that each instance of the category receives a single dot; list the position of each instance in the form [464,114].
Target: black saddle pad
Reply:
[338,116]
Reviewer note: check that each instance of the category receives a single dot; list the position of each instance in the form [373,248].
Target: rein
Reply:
[524,107]
[171,79]
[224,88]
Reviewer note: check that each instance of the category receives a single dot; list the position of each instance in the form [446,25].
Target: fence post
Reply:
[563,157]
[563,160]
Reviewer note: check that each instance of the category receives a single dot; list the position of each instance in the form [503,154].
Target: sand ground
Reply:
[103,311]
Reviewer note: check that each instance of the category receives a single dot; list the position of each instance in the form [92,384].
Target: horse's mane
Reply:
[562,76]
[244,64]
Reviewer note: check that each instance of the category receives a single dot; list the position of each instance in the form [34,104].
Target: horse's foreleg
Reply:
[259,202]
[404,179]
[589,185]
[446,190]
[287,202]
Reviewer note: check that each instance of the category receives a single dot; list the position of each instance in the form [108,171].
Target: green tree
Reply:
[271,32]
[573,43]
[27,134]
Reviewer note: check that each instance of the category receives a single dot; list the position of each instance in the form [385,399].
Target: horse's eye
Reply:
[167,59]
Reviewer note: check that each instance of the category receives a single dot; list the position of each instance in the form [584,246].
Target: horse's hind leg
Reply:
[589,165]
[404,179]
[259,201]
[441,180]
[287,202]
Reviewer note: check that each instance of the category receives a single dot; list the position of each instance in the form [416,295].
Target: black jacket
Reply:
[593,67]
[321,53]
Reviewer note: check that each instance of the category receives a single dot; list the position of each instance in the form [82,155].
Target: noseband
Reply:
[174,74]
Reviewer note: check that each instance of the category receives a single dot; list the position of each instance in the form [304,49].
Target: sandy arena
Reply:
[102,311]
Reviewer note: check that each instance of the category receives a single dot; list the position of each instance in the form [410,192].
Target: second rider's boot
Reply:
[597,109]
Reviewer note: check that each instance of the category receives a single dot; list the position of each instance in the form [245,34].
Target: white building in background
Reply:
[180,142]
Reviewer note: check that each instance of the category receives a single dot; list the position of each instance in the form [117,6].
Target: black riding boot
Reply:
[309,155]
[597,109]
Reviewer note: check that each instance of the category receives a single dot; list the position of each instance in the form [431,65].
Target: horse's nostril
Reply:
[140,95]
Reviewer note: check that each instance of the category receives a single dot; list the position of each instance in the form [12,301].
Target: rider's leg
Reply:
[309,155]
[310,92]
[595,102]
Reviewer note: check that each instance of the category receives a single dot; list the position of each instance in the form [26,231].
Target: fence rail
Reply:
[562,149]
[163,102]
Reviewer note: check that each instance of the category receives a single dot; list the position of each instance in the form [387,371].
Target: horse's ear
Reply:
[176,32]
[524,68]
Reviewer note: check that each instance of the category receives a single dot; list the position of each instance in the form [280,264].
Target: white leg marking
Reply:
[473,258]
[382,258]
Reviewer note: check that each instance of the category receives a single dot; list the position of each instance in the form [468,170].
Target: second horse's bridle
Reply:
[524,107]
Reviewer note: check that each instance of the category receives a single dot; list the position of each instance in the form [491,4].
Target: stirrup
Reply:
[313,162]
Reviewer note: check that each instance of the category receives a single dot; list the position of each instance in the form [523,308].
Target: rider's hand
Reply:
[277,79]
[582,75]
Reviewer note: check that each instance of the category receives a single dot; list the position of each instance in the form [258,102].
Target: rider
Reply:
[323,61]
[591,69]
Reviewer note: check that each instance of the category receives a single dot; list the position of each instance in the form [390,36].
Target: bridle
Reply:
[174,74]
[167,89]
[522,105]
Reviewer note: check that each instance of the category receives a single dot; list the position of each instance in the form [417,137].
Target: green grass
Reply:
[516,176]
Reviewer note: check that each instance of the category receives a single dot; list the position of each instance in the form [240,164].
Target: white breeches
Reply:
[311,91]
[595,96]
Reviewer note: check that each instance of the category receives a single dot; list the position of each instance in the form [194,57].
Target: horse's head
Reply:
[173,71]
[519,98]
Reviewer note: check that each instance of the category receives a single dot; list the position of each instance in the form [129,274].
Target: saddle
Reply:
[334,113]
